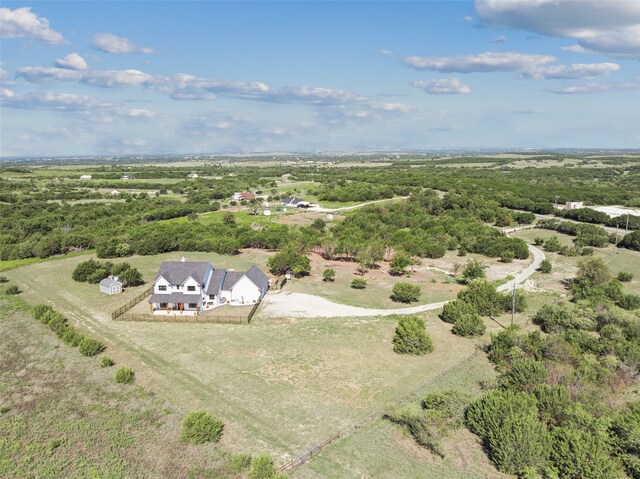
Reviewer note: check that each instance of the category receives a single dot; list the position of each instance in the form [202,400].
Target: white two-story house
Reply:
[194,286]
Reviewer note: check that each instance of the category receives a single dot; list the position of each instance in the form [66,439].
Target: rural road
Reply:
[301,305]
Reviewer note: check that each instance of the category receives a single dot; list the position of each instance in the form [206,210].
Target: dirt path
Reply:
[301,305]
[344,208]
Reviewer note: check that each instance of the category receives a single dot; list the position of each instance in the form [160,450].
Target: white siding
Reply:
[245,292]
[162,282]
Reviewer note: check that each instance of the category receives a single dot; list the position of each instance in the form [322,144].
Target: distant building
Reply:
[127,177]
[111,285]
[295,202]
[192,176]
[574,205]
[86,177]
[245,195]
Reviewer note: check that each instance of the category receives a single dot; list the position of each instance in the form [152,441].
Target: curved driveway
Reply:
[301,305]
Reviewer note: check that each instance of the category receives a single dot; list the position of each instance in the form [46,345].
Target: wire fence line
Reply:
[369,418]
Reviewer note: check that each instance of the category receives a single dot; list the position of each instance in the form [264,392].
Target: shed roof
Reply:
[108,282]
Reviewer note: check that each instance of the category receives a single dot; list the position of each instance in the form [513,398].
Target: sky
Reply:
[119,77]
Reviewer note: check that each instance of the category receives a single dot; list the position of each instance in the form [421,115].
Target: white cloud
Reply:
[610,27]
[500,40]
[573,49]
[22,23]
[572,72]
[444,86]
[481,62]
[69,102]
[73,61]
[38,74]
[116,78]
[109,43]
[138,113]
[385,52]
[590,88]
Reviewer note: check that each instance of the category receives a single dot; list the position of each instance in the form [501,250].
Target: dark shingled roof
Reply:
[231,278]
[291,200]
[258,277]
[176,272]
[217,278]
[174,298]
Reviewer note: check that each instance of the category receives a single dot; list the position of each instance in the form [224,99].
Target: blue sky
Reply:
[180,77]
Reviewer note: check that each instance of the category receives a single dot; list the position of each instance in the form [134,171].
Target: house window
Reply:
[193,305]
[191,288]
[163,305]
[162,288]
[212,296]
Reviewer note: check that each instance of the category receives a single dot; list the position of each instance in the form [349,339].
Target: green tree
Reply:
[552,245]
[470,324]
[400,262]
[411,337]
[262,468]
[289,260]
[199,427]
[545,266]
[579,454]
[404,292]
[454,310]
[228,218]
[474,269]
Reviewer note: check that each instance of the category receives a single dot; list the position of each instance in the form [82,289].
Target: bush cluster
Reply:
[199,427]
[59,325]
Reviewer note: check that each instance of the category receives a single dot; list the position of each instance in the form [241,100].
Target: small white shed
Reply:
[110,285]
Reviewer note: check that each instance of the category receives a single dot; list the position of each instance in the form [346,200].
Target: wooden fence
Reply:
[304,457]
[121,314]
[130,304]
[184,318]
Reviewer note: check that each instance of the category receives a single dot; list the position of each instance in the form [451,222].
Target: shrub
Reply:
[474,269]
[12,289]
[86,269]
[199,427]
[404,292]
[552,245]
[262,468]
[71,337]
[579,454]
[329,274]
[90,347]
[483,297]
[4,279]
[124,375]
[411,337]
[507,256]
[545,266]
[106,362]
[538,241]
[455,309]
[629,301]
[554,403]
[359,283]
[509,426]
[40,310]
[131,276]
[524,374]
[625,276]
[556,318]
[469,325]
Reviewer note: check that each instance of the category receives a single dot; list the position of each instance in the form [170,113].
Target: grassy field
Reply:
[565,268]
[61,415]
[279,384]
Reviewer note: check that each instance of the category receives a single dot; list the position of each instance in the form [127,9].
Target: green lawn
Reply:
[280,385]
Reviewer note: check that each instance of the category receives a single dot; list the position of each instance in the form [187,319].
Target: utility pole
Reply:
[513,303]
